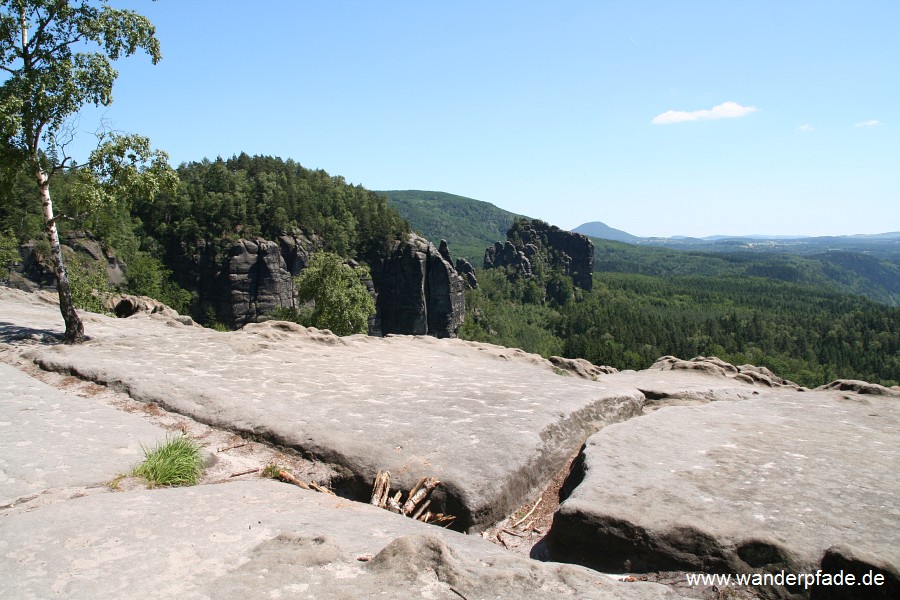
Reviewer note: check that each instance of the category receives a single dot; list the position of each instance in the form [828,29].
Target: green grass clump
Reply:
[271,471]
[175,462]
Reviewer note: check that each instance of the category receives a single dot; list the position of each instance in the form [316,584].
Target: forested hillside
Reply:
[802,316]
[216,201]
[864,265]
[468,225]
[843,271]
[804,333]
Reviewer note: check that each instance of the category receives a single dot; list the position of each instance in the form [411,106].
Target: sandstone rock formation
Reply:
[419,290]
[860,387]
[248,279]
[688,469]
[129,305]
[572,253]
[36,268]
[716,366]
[581,367]
[783,480]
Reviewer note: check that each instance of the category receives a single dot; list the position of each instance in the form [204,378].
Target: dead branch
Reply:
[511,532]
[458,593]
[522,520]
[288,478]
[319,488]
[232,447]
[381,489]
[425,486]
[421,509]
[256,470]
[393,504]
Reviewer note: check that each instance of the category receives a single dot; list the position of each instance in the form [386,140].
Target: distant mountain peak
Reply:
[605,232]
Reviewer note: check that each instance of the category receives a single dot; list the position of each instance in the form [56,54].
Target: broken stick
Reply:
[381,489]
[256,470]
[419,493]
[522,520]
[287,477]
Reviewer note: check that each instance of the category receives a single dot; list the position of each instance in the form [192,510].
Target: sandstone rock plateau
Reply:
[684,468]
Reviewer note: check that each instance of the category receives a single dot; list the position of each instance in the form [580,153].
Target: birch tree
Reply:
[56,56]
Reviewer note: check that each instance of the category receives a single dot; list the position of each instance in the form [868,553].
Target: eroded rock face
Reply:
[416,289]
[712,365]
[129,305]
[781,480]
[36,266]
[257,280]
[581,367]
[860,387]
[573,253]
[248,279]
[419,290]
[506,255]
[464,268]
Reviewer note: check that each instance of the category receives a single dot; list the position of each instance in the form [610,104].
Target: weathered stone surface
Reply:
[506,255]
[265,540]
[581,367]
[860,387]
[419,290]
[36,265]
[257,279]
[128,305]
[493,424]
[573,253]
[49,439]
[781,480]
[464,268]
[715,366]
[246,280]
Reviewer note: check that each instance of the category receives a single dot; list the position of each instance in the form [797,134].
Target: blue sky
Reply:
[565,111]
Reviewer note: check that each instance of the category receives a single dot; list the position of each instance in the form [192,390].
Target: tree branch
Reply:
[43,25]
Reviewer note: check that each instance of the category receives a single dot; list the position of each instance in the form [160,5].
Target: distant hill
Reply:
[867,265]
[605,232]
[468,225]
[846,271]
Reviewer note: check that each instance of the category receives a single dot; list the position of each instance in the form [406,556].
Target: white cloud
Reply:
[806,128]
[869,123]
[726,110]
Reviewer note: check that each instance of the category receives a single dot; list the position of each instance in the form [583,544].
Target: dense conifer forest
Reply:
[804,333]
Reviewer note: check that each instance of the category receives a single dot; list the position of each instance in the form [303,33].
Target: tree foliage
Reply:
[804,333]
[342,303]
[266,196]
[58,57]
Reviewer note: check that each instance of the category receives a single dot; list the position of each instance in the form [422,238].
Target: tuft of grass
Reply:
[175,462]
[271,471]
[115,483]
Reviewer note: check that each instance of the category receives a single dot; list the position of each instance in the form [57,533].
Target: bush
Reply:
[147,276]
[9,253]
[175,462]
[89,283]
[300,316]
[343,304]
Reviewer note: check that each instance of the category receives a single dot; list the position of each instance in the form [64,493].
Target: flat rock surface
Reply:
[49,439]
[263,539]
[492,423]
[765,483]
